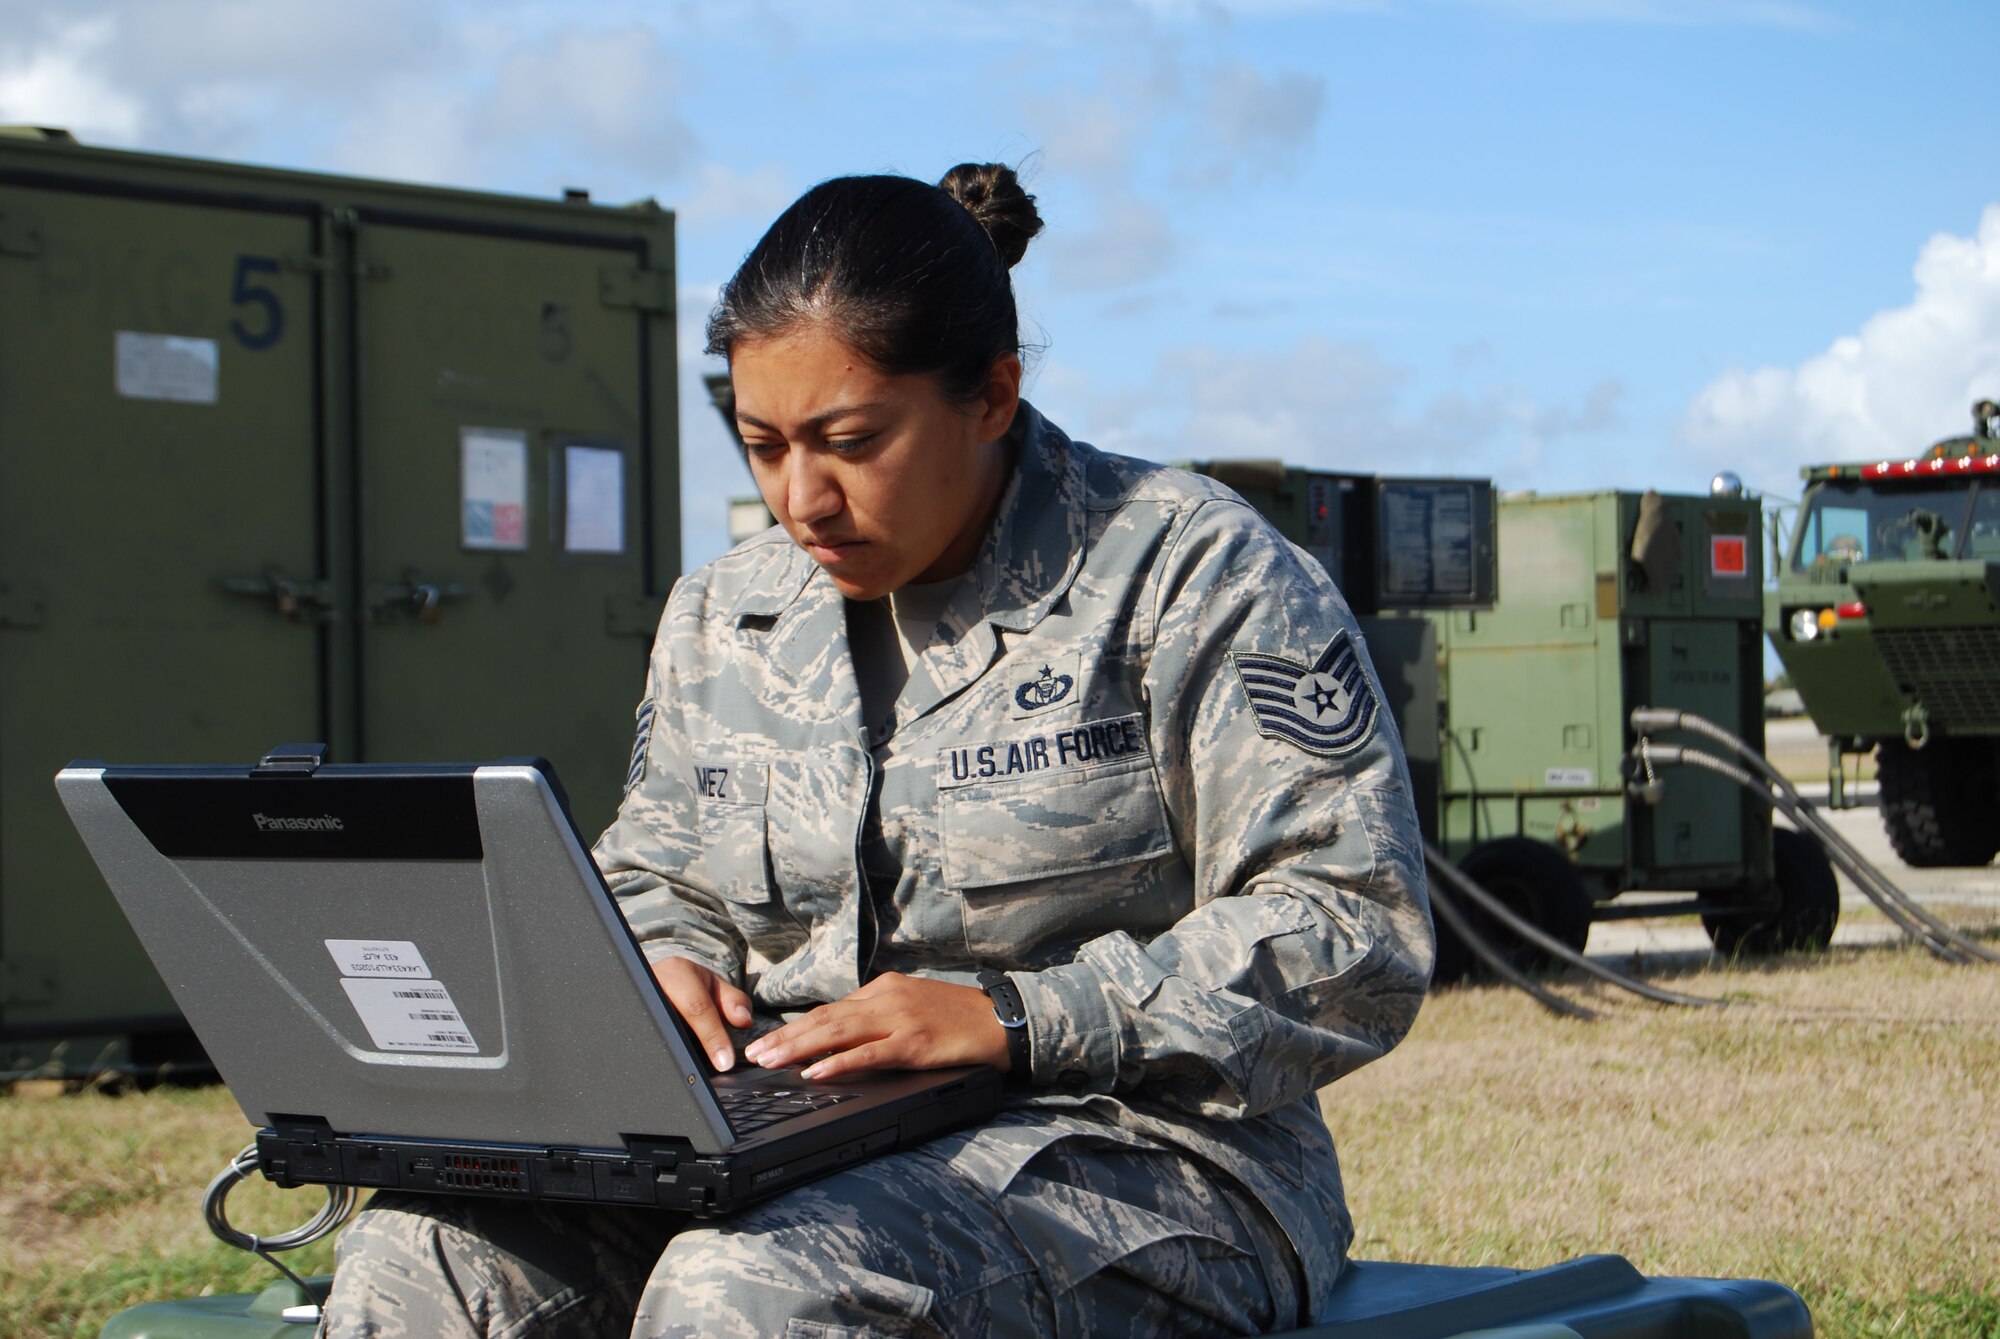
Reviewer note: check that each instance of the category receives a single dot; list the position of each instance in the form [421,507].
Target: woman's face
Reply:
[882,479]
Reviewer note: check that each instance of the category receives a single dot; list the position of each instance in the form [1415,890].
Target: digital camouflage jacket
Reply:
[1144,767]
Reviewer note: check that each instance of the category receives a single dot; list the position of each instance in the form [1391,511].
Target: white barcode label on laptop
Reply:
[409,1015]
[377,957]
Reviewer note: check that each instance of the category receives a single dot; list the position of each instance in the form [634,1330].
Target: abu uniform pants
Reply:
[1089,1238]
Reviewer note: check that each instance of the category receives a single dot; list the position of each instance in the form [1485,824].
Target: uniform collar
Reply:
[1036,546]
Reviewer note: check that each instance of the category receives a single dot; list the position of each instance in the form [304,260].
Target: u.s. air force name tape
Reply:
[1327,707]
[1076,746]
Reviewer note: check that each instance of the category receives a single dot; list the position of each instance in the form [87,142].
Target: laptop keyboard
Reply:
[753,1109]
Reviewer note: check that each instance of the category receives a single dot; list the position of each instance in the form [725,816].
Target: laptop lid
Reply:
[405,951]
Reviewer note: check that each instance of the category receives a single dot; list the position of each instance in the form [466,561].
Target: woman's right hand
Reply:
[709,1005]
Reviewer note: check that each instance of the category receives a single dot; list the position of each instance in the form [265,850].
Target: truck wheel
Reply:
[1938,802]
[1536,882]
[1808,903]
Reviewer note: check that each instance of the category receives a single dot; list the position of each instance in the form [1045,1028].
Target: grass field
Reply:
[1834,1129]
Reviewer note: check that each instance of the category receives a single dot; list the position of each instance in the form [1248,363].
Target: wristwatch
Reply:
[1013,1015]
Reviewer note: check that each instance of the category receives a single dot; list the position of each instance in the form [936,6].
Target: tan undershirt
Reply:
[885,637]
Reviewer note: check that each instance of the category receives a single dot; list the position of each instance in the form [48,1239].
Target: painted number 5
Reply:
[266,329]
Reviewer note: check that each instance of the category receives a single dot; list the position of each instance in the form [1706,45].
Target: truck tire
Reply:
[1938,802]
[1808,903]
[1538,883]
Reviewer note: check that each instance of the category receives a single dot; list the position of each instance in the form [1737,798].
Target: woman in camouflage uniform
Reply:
[993,723]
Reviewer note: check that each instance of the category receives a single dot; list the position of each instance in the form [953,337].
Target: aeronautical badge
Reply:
[1326,707]
[1043,691]
[635,771]
[1050,683]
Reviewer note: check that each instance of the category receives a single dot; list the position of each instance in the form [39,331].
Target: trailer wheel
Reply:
[1808,903]
[1938,803]
[1536,882]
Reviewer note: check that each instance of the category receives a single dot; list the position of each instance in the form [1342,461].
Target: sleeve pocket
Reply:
[735,840]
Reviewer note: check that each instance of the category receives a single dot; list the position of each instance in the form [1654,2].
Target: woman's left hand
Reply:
[893,1022]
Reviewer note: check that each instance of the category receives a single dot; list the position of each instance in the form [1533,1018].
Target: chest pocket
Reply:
[1043,863]
[735,845]
[1033,828]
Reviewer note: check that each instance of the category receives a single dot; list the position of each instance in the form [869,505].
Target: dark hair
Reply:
[913,276]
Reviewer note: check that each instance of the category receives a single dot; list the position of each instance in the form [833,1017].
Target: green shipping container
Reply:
[294,457]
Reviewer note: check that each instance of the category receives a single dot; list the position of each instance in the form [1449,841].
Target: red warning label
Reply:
[1729,555]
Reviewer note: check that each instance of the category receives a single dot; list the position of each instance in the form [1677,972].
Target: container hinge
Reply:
[20,608]
[27,981]
[19,238]
[641,290]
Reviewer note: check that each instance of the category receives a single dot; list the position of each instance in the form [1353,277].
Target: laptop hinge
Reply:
[291,760]
[300,1129]
[663,1151]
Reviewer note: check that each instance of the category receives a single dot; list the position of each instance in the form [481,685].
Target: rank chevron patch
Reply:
[1327,707]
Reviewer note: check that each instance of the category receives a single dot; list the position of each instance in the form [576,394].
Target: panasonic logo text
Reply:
[324,823]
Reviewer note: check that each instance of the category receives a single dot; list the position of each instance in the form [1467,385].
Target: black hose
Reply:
[1447,909]
[1548,943]
[1805,813]
[1896,908]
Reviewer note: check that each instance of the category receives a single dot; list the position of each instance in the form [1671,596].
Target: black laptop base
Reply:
[649,1172]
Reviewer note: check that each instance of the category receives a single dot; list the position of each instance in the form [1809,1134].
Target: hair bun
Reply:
[992,194]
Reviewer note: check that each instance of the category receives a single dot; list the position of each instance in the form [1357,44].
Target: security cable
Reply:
[339,1204]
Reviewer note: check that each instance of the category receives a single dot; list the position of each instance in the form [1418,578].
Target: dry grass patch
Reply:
[1833,1129]
[100,1206]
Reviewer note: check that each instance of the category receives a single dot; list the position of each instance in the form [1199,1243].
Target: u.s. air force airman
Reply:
[1140,764]
[1143,767]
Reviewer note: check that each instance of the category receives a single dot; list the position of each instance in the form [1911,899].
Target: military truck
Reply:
[1887,618]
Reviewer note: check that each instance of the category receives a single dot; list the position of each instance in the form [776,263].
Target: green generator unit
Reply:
[1612,601]
[292,457]
[1514,638]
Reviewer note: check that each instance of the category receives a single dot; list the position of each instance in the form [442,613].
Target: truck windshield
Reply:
[1848,521]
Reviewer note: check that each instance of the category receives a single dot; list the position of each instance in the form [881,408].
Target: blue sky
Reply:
[1569,244]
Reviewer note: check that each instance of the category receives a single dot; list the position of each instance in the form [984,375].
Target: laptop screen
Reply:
[406,952]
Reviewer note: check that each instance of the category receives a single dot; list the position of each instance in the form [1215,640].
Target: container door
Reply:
[160,555]
[503,463]
[1695,666]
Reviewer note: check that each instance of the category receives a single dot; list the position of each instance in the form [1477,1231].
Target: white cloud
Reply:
[505,96]
[721,192]
[1129,242]
[1328,405]
[1090,133]
[1256,121]
[1150,125]
[55,83]
[1907,377]
[1670,13]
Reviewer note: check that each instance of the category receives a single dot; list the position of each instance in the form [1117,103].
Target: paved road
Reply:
[1956,891]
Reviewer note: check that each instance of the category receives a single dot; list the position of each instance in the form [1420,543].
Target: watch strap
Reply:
[1012,1013]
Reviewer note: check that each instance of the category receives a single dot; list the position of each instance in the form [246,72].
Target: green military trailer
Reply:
[1887,619]
[1611,601]
[298,457]
[1515,699]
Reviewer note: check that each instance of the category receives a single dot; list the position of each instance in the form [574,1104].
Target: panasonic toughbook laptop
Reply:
[414,977]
